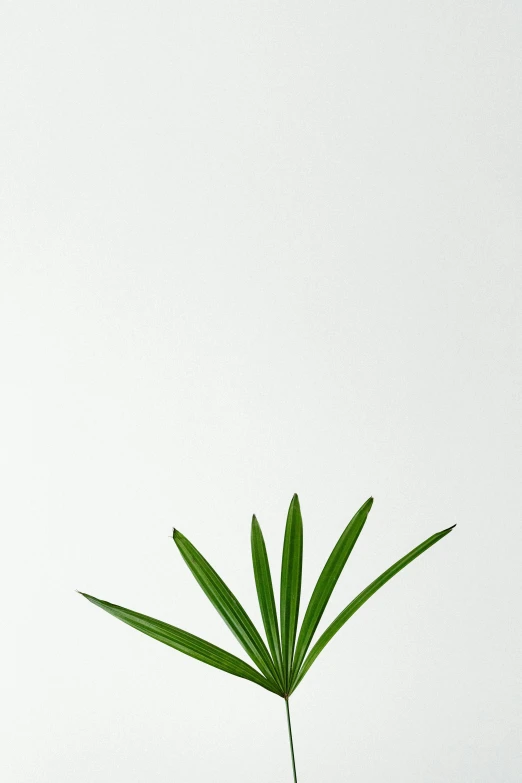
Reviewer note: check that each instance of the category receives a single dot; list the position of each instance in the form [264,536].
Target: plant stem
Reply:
[291,740]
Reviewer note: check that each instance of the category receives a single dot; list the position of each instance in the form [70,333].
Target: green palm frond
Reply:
[284,661]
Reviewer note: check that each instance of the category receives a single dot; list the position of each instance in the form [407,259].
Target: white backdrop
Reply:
[250,249]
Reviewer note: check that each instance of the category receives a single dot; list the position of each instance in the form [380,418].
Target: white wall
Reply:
[250,249]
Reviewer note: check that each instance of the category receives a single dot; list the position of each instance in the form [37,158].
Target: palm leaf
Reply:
[229,608]
[184,642]
[327,581]
[360,600]
[291,571]
[265,594]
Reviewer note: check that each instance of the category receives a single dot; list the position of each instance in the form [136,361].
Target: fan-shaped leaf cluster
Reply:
[287,656]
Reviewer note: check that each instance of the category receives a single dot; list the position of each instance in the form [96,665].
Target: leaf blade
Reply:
[265,593]
[227,605]
[360,599]
[184,642]
[291,574]
[327,581]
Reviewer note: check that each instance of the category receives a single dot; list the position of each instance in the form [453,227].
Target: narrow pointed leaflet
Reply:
[327,581]
[265,594]
[225,602]
[185,642]
[360,600]
[291,572]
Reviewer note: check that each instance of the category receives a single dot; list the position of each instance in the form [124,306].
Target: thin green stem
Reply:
[291,740]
